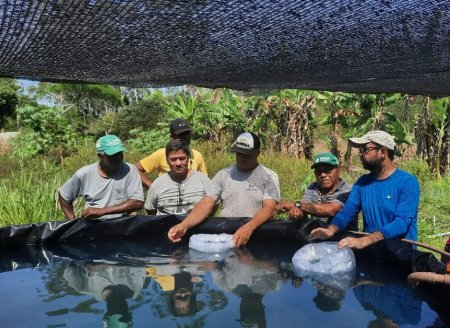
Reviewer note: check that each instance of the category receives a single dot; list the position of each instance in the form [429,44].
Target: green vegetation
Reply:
[59,123]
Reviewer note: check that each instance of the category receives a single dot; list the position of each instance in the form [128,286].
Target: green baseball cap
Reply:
[325,158]
[109,144]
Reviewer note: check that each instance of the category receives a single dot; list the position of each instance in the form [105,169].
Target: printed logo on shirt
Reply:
[388,197]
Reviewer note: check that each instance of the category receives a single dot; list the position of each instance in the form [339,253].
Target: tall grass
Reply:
[29,192]
[27,198]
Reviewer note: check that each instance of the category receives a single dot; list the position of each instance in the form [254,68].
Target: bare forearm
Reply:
[67,209]
[363,242]
[146,182]
[199,213]
[321,209]
[127,206]
[263,215]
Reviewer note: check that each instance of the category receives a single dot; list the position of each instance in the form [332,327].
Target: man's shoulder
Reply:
[196,153]
[406,179]
[132,167]
[267,170]
[197,175]
[226,170]
[157,153]
[161,180]
[344,186]
[405,174]
[87,169]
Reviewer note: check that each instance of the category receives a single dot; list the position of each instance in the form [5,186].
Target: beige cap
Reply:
[377,136]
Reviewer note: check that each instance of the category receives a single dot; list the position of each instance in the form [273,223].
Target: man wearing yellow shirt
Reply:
[179,129]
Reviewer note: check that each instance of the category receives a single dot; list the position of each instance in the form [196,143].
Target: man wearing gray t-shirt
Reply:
[111,188]
[177,191]
[246,189]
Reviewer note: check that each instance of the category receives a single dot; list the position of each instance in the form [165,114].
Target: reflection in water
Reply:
[250,279]
[384,292]
[253,287]
[112,283]
[328,298]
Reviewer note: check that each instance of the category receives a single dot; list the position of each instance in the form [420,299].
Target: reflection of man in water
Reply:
[250,279]
[177,279]
[183,300]
[117,313]
[384,292]
[110,283]
[328,298]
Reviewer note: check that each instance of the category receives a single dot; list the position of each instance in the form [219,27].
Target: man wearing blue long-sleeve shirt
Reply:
[387,196]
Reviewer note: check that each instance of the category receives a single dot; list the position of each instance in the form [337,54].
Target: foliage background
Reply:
[59,123]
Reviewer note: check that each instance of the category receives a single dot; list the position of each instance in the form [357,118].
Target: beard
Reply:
[372,167]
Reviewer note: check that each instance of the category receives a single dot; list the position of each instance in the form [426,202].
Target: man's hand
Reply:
[176,232]
[283,207]
[295,213]
[242,235]
[321,233]
[92,213]
[360,243]
[356,243]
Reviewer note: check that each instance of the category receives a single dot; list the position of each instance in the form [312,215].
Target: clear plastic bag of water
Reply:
[211,243]
[325,258]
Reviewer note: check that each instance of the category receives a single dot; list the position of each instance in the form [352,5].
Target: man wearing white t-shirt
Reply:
[246,189]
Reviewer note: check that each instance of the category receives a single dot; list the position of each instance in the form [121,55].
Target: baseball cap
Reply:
[245,143]
[377,136]
[325,158]
[109,144]
[179,125]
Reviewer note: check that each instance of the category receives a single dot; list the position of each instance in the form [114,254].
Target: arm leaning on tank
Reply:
[67,208]
[128,206]
[351,208]
[243,234]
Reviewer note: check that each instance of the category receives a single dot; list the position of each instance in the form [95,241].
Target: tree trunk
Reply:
[425,135]
[297,132]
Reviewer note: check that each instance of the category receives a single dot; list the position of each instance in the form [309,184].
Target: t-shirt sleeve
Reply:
[152,162]
[134,186]
[350,209]
[150,202]
[70,190]
[308,196]
[201,163]
[271,191]
[216,186]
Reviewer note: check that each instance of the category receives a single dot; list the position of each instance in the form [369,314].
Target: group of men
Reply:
[387,196]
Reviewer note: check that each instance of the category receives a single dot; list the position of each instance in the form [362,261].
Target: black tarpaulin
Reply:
[346,45]
[37,244]
[136,228]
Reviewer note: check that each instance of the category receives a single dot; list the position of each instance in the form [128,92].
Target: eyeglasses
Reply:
[326,170]
[364,150]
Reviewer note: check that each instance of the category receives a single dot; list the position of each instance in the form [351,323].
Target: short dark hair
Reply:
[175,145]
[391,152]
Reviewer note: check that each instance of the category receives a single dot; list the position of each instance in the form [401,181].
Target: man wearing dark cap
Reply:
[111,188]
[246,189]
[387,196]
[324,197]
[179,129]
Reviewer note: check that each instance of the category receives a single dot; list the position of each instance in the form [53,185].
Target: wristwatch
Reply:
[298,204]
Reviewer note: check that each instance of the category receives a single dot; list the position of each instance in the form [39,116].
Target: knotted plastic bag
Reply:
[327,263]
[211,243]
